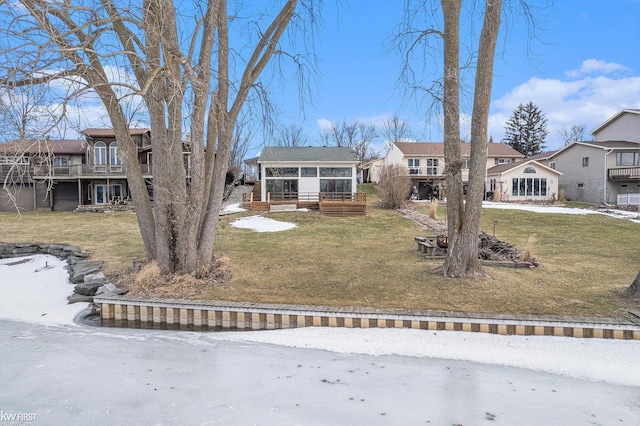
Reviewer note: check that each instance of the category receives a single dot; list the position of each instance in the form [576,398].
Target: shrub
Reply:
[395,188]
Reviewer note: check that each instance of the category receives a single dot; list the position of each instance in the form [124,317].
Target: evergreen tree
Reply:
[526,130]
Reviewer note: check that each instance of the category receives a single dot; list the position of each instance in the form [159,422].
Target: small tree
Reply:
[395,130]
[394,186]
[572,134]
[356,135]
[526,130]
[291,135]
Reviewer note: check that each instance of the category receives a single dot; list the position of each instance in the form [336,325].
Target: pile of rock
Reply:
[84,273]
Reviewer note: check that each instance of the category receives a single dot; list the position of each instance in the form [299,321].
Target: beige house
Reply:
[371,171]
[424,163]
[526,180]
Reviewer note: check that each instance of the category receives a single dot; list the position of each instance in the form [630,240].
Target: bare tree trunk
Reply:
[453,164]
[634,288]
[464,217]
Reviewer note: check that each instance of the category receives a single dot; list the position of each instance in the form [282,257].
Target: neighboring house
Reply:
[70,174]
[600,172]
[526,180]
[606,170]
[623,126]
[302,173]
[424,163]
[371,171]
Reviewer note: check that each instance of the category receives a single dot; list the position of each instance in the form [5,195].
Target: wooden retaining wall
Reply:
[126,311]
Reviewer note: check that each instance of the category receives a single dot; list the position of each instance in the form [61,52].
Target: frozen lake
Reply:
[56,372]
[85,375]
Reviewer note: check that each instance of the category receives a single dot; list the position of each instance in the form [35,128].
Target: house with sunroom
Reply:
[424,163]
[521,181]
[323,178]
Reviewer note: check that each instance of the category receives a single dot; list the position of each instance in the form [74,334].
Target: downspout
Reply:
[606,179]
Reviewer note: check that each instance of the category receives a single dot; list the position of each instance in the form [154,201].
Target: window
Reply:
[335,171]
[60,161]
[432,166]
[309,172]
[465,163]
[628,159]
[492,185]
[504,160]
[113,153]
[552,165]
[100,153]
[335,185]
[282,188]
[527,187]
[414,166]
[281,171]
[585,161]
[529,169]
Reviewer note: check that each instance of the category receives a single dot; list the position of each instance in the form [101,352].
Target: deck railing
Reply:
[622,173]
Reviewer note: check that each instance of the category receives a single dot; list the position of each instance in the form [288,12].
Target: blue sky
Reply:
[583,67]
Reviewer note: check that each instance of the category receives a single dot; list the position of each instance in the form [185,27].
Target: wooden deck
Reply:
[329,204]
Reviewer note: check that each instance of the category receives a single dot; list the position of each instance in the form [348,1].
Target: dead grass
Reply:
[149,281]
[433,209]
[527,252]
[586,262]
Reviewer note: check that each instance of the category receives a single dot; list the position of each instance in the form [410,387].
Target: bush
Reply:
[395,188]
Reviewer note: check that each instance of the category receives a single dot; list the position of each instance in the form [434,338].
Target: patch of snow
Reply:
[232,208]
[262,224]
[35,289]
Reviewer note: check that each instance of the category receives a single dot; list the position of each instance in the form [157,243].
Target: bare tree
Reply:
[181,64]
[574,133]
[395,130]
[291,135]
[356,135]
[463,216]
[241,141]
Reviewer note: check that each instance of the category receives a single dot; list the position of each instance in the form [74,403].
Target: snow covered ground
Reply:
[60,372]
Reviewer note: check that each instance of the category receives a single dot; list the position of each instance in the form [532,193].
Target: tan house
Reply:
[520,181]
[424,163]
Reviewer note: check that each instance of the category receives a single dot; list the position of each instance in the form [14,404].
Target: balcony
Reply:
[425,171]
[44,171]
[624,173]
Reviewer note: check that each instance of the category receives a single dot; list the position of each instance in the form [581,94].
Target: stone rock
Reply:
[110,290]
[98,277]
[25,250]
[75,298]
[87,289]
[81,269]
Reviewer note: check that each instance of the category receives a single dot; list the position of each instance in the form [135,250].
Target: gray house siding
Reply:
[580,182]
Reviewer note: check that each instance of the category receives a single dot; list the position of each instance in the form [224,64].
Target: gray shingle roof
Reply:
[308,154]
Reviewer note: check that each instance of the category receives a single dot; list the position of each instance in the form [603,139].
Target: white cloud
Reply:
[591,66]
[323,123]
[590,100]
